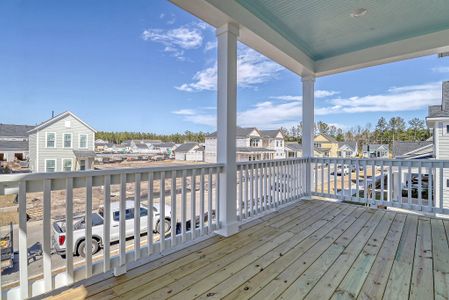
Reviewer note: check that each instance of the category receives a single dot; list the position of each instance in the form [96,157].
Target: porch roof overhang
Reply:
[318,38]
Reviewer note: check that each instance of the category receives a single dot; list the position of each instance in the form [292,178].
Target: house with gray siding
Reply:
[61,144]
[14,142]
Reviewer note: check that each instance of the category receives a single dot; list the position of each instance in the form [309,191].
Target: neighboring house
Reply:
[165,148]
[375,151]
[62,143]
[438,121]
[251,144]
[189,152]
[326,144]
[273,140]
[14,142]
[347,149]
[103,146]
[140,148]
[413,150]
[295,150]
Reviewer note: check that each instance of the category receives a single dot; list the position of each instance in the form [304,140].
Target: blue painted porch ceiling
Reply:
[325,28]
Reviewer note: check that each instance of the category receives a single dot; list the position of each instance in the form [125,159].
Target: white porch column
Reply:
[226,126]
[308,95]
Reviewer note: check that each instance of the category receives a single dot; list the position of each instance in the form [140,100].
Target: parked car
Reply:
[341,170]
[79,225]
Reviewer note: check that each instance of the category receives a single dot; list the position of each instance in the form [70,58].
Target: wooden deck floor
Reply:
[315,250]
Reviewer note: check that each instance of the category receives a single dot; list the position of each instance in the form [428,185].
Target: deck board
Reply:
[313,249]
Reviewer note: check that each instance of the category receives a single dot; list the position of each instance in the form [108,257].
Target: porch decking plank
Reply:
[312,249]
[422,276]
[302,286]
[377,278]
[225,281]
[277,286]
[250,287]
[171,283]
[132,280]
[440,252]
[254,262]
[352,256]
[398,286]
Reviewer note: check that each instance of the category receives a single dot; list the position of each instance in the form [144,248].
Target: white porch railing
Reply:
[409,184]
[192,195]
[190,191]
[264,185]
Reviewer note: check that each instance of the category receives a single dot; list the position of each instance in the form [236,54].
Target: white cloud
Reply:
[268,114]
[318,94]
[287,98]
[184,112]
[252,69]
[441,70]
[210,45]
[176,40]
[324,93]
[396,99]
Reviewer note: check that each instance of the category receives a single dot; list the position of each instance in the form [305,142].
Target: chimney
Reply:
[52,114]
[445,95]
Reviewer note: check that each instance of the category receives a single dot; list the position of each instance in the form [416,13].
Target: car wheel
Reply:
[167,226]
[82,247]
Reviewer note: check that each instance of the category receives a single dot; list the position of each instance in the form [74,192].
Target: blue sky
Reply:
[149,66]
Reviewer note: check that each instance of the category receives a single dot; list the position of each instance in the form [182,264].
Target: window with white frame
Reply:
[82,165]
[51,140]
[50,165]
[83,141]
[67,140]
[67,164]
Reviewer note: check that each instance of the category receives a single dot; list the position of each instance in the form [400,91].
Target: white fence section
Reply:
[421,185]
[190,192]
[98,207]
[264,185]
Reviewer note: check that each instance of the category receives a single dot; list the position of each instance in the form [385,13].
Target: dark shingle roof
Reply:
[401,148]
[186,147]
[141,146]
[269,133]
[84,153]
[374,147]
[14,145]
[10,130]
[351,145]
[293,146]
[240,132]
[165,145]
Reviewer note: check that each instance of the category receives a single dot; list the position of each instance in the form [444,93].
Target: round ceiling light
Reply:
[359,12]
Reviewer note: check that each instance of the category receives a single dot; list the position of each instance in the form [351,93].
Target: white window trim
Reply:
[56,164]
[71,140]
[46,140]
[71,164]
[87,140]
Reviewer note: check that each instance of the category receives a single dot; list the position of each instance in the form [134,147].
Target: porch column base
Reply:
[120,270]
[229,229]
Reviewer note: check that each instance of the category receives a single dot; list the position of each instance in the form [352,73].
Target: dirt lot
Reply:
[58,198]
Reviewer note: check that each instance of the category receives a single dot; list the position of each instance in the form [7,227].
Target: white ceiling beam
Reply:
[428,44]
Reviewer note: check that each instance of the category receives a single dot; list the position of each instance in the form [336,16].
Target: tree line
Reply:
[384,132]
[179,138]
